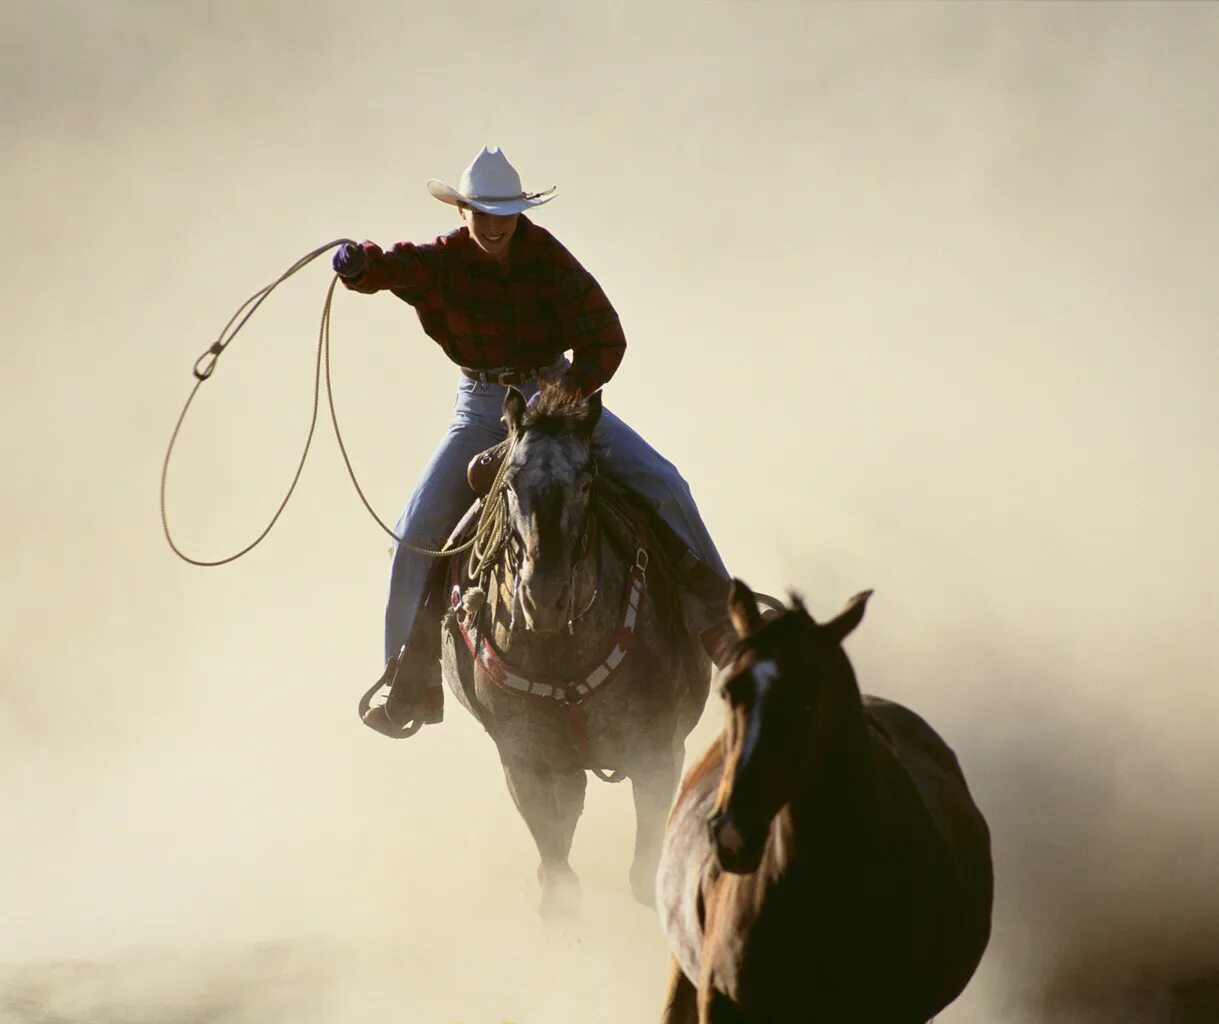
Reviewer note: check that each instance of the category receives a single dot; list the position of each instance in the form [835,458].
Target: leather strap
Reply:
[508,376]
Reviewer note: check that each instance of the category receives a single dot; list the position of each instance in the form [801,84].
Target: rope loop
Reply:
[492,532]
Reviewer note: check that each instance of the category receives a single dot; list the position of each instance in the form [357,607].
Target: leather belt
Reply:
[507,376]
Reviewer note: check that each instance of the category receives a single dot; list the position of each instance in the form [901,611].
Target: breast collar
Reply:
[563,691]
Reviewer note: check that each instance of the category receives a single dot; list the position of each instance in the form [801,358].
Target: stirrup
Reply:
[388,678]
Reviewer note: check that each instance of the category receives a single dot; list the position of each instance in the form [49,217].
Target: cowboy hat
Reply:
[490,184]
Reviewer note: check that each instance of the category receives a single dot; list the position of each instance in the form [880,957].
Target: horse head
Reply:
[548,483]
[787,687]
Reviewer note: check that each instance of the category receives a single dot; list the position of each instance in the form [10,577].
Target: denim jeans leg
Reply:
[439,501]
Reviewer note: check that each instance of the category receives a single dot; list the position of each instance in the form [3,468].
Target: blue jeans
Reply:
[443,495]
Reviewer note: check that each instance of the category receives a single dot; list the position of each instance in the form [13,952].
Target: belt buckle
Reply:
[511,378]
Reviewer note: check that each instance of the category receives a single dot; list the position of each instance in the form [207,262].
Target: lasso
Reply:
[493,529]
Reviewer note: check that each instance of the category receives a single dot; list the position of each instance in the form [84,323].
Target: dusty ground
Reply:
[920,297]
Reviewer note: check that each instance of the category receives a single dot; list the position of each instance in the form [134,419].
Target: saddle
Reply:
[483,467]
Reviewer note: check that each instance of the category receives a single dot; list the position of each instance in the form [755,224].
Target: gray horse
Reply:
[824,862]
[572,649]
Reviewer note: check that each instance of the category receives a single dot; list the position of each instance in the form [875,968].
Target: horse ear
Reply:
[845,621]
[593,416]
[743,609]
[514,409]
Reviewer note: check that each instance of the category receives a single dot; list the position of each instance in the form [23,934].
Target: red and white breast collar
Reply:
[564,691]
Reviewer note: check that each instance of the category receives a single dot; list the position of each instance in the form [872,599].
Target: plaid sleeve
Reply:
[407,270]
[591,329]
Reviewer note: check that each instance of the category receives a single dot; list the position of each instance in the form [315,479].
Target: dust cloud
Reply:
[919,297]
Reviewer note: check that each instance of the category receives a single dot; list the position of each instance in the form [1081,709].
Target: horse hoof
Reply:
[560,897]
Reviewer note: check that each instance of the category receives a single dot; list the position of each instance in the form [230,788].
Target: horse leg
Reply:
[716,1008]
[653,783]
[681,997]
[551,803]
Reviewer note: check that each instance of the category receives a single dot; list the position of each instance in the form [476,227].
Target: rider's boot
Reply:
[416,691]
[413,677]
[416,694]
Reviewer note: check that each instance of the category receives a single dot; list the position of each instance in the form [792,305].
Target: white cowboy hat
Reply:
[490,184]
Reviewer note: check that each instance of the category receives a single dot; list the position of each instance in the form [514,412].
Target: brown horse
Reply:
[824,861]
[573,649]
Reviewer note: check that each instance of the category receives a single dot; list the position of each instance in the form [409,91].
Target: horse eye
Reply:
[736,689]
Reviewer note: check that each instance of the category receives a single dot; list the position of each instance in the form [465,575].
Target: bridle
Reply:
[513,560]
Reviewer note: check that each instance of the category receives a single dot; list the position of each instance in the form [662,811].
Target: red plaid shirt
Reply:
[522,313]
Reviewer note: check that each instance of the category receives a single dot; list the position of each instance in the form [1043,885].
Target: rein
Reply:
[492,520]
[572,615]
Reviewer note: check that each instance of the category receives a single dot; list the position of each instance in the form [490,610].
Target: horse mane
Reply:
[554,411]
[625,522]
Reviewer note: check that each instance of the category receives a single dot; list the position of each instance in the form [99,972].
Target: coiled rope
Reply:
[493,530]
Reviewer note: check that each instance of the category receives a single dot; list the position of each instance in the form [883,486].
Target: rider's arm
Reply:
[406,269]
[591,329]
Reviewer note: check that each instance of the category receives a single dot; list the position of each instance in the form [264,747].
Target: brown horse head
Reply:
[548,483]
[787,689]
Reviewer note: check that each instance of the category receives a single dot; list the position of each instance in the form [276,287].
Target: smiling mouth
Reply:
[494,238]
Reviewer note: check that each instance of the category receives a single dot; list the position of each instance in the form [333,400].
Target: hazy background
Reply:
[919,297]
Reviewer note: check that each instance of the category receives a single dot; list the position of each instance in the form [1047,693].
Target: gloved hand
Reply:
[350,260]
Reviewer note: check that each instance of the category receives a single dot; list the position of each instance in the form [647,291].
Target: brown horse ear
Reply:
[845,621]
[514,409]
[743,609]
[593,414]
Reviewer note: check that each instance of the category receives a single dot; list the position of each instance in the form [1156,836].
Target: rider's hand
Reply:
[350,261]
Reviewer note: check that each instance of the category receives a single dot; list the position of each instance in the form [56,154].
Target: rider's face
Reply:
[492,234]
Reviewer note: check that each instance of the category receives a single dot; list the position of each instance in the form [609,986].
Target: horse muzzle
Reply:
[547,608]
